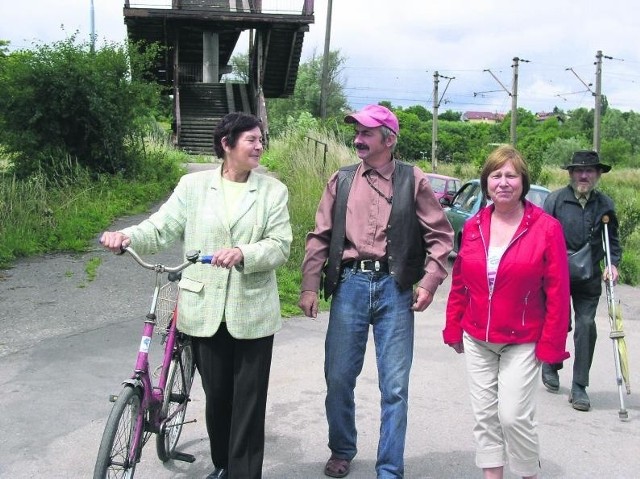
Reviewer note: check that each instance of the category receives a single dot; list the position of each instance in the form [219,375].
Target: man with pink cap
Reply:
[379,231]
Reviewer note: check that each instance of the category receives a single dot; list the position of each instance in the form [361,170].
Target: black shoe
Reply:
[218,473]
[579,398]
[550,378]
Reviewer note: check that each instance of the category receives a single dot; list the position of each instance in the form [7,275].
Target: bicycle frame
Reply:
[150,418]
[152,396]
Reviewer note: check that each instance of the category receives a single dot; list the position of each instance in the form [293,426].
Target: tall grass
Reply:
[621,184]
[304,169]
[64,211]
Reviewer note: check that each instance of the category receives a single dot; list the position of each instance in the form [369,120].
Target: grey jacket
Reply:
[582,225]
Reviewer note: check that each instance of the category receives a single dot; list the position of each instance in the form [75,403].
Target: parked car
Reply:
[469,199]
[443,186]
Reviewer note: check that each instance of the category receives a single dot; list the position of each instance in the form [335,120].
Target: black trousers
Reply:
[235,379]
[584,299]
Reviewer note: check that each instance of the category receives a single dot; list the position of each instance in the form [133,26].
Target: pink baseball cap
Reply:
[373,116]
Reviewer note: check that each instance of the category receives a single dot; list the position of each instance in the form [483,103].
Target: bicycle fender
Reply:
[136,383]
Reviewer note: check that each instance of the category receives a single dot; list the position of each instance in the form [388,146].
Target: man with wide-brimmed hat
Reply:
[580,208]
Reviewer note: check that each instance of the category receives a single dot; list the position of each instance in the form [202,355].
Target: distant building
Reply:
[482,117]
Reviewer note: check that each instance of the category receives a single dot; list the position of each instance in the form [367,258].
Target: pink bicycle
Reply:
[142,408]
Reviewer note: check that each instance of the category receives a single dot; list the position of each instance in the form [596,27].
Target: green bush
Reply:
[63,100]
[66,209]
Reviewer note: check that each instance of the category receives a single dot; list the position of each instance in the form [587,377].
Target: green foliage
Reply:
[421,112]
[450,115]
[559,151]
[62,100]
[285,112]
[305,171]
[65,209]
[4,48]
[239,69]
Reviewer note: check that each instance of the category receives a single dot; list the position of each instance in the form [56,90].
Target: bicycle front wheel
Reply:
[116,457]
[176,398]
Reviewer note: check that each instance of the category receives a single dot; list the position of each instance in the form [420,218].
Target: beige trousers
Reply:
[502,382]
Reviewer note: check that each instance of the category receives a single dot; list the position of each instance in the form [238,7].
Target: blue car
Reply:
[469,199]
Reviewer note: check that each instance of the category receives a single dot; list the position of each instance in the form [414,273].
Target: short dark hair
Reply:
[497,159]
[230,126]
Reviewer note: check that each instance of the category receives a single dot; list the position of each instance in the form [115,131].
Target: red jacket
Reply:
[530,299]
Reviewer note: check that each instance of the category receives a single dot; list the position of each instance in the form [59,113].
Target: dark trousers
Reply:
[584,299]
[235,379]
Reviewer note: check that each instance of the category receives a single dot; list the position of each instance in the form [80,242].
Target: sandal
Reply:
[337,467]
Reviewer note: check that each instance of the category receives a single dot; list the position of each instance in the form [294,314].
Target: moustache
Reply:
[361,146]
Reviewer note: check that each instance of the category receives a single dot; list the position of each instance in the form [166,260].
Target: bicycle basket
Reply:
[167,299]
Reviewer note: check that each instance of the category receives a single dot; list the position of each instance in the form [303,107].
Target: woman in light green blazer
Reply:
[230,308]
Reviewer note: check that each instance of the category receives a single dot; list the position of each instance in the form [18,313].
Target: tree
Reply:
[63,101]
[306,96]
[421,112]
[239,69]
[559,152]
[450,115]
[580,123]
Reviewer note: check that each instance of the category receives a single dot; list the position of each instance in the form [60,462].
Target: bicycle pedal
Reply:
[177,397]
[182,456]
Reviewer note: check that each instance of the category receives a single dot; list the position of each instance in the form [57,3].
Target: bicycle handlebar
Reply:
[192,256]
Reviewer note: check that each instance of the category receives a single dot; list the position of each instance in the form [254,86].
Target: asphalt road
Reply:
[68,342]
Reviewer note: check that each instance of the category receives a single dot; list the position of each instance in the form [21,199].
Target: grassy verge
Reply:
[303,168]
[305,171]
[66,212]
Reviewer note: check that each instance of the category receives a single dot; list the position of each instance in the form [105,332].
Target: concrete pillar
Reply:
[210,57]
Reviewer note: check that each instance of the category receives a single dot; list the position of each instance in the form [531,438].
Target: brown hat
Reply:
[587,158]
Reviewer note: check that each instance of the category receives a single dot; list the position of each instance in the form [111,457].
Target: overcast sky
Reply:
[393,48]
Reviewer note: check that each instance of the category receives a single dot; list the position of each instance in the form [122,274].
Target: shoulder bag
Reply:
[580,263]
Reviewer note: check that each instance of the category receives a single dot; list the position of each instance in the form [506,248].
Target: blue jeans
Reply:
[362,299]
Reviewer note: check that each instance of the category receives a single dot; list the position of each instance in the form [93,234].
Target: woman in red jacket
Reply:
[508,310]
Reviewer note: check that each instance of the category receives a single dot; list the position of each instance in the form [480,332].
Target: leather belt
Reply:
[368,266]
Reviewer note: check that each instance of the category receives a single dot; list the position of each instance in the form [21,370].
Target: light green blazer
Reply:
[247,297]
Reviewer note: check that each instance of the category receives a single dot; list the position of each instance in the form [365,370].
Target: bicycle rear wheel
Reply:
[176,398]
[116,459]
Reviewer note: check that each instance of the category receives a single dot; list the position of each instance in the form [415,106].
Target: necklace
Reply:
[388,199]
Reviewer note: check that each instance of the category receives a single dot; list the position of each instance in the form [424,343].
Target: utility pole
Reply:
[434,131]
[324,87]
[598,105]
[93,28]
[597,110]
[436,105]
[513,94]
[514,101]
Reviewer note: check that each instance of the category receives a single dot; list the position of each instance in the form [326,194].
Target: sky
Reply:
[392,49]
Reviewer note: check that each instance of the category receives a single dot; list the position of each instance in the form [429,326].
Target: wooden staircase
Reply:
[275,53]
[202,105]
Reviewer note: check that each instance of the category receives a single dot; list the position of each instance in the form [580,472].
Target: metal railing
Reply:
[190,73]
[286,7]
[317,143]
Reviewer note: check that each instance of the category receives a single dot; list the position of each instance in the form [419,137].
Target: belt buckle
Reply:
[376,266]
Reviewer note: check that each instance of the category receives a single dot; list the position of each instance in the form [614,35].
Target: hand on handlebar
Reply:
[115,241]
[227,257]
